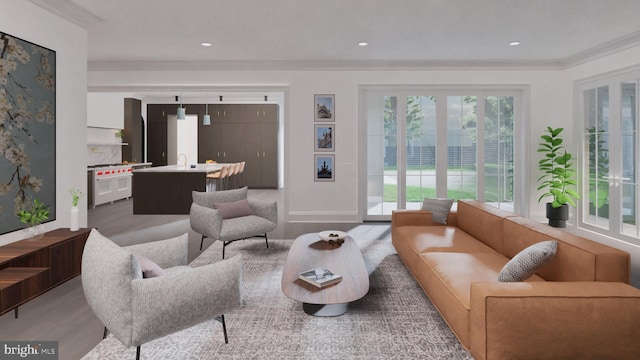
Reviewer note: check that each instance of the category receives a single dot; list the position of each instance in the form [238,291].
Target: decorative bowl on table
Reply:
[333,236]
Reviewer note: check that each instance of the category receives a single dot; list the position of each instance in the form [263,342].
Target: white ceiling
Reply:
[324,33]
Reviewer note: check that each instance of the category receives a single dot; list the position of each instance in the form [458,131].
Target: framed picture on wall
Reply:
[28,126]
[324,140]
[324,106]
[324,167]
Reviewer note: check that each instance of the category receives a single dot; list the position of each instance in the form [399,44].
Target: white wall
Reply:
[106,110]
[338,201]
[29,22]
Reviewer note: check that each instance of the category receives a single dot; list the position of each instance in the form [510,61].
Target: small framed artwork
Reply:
[324,138]
[324,167]
[324,107]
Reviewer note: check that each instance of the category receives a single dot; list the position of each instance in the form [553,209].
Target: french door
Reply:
[439,144]
[609,172]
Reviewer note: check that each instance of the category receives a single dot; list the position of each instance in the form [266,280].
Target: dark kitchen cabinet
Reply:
[243,132]
[133,131]
[238,132]
[157,133]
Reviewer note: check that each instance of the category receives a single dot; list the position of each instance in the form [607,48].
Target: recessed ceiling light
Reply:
[363,43]
[514,43]
[205,44]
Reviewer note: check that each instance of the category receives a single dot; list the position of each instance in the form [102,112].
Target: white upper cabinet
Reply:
[106,110]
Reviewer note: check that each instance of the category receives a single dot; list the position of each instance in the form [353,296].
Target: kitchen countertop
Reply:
[132,164]
[205,168]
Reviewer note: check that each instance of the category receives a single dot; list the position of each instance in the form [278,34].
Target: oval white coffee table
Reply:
[308,251]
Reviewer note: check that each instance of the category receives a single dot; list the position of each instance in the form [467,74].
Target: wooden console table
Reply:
[29,268]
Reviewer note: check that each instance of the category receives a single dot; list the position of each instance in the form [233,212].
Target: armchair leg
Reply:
[201,242]
[224,328]
[105,333]
[138,352]
[266,240]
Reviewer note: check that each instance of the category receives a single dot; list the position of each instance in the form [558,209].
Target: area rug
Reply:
[395,320]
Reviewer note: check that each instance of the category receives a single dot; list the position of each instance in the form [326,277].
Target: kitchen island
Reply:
[167,189]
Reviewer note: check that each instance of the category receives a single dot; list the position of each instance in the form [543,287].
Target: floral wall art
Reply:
[27,129]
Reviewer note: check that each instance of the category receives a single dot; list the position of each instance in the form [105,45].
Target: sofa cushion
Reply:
[459,270]
[439,208]
[438,238]
[447,278]
[528,261]
[483,222]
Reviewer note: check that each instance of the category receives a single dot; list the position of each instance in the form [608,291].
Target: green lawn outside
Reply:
[415,194]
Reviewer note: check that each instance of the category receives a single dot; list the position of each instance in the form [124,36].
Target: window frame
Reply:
[521,94]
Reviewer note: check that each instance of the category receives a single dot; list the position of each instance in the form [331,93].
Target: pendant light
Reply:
[206,119]
[181,113]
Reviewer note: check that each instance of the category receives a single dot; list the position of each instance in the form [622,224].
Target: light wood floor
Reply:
[62,314]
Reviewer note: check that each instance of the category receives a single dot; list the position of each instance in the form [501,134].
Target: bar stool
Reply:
[217,179]
[241,174]
[233,175]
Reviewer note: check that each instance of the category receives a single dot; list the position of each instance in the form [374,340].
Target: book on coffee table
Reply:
[320,277]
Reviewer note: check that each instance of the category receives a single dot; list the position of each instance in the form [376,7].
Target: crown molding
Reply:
[319,65]
[68,10]
[602,50]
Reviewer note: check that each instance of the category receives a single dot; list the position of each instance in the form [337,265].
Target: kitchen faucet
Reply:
[185,159]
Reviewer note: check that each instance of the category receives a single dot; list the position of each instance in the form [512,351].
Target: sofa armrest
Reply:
[555,320]
[205,221]
[419,218]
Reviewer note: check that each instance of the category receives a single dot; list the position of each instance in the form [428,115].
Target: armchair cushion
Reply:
[166,253]
[149,268]
[234,209]
[207,199]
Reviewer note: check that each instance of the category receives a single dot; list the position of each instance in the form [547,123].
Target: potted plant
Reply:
[120,134]
[75,198]
[33,217]
[558,180]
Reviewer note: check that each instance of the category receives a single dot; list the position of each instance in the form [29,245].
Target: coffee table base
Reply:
[325,310]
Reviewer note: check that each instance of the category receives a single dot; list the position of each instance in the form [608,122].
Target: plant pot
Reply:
[34,232]
[73,224]
[558,216]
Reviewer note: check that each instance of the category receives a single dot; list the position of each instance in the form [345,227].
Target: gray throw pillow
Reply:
[234,209]
[149,268]
[440,209]
[528,261]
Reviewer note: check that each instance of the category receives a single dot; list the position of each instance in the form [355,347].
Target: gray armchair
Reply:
[136,309]
[209,218]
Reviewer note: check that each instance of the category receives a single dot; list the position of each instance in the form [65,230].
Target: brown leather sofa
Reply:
[578,306]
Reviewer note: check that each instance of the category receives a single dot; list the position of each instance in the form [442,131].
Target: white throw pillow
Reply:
[439,207]
[528,261]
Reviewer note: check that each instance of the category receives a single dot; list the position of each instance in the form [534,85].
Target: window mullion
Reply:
[480,170]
